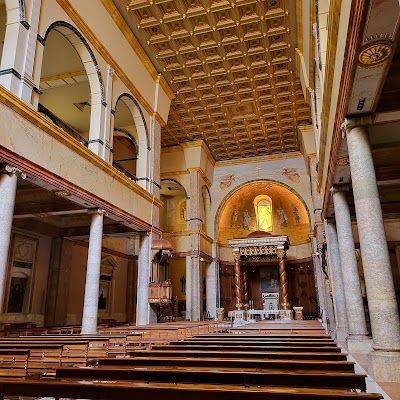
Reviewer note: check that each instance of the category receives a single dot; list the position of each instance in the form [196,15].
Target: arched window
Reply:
[263,209]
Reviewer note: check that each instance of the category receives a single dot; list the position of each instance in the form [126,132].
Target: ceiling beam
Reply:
[63,76]
[112,230]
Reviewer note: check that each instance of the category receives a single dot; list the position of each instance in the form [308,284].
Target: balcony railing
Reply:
[57,121]
[124,171]
[61,124]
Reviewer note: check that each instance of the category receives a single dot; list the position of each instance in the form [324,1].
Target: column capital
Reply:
[353,122]
[10,169]
[110,70]
[98,211]
[339,188]
[281,252]
[236,256]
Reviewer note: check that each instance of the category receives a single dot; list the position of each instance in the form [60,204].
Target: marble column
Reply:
[329,310]
[144,262]
[211,288]
[335,271]
[357,341]
[284,300]
[188,291]
[8,189]
[383,310]
[212,283]
[317,241]
[91,299]
[195,224]
[196,288]
[238,288]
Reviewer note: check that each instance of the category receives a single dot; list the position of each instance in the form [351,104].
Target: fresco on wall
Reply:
[243,212]
[246,220]
[282,218]
[226,181]
[296,215]
[234,218]
[291,174]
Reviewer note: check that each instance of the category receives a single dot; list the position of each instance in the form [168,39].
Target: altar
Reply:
[239,317]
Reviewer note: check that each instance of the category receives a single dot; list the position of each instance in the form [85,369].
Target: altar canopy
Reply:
[259,246]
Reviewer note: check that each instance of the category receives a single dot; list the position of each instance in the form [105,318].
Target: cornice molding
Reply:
[273,157]
[357,12]
[189,233]
[94,41]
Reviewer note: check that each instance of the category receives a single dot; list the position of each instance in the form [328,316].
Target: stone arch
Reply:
[228,195]
[85,53]
[137,115]
[143,143]
[174,214]
[91,127]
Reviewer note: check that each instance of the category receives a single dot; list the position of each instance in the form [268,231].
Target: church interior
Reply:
[200,196]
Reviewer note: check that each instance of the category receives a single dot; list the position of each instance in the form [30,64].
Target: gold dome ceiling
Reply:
[231,66]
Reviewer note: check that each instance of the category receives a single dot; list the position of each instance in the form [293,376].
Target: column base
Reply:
[341,336]
[384,366]
[360,344]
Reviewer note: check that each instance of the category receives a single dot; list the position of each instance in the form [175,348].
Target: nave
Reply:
[270,360]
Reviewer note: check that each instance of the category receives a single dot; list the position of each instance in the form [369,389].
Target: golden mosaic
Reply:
[231,65]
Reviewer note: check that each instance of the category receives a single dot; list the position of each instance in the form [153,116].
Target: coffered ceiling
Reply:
[231,66]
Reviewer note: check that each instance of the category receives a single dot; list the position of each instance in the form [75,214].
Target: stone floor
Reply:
[391,389]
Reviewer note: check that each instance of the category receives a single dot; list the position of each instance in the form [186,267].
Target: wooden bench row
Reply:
[220,377]
[93,389]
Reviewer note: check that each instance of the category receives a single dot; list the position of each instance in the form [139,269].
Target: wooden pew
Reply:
[167,391]
[221,354]
[215,363]
[248,379]
[244,347]
[270,336]
[256,343]
[45,356]
[13,362]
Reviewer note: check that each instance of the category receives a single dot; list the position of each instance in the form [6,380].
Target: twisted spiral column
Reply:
[238,289]
[245,287]
[283,279]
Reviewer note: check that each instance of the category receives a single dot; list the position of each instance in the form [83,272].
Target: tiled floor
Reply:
[390,388]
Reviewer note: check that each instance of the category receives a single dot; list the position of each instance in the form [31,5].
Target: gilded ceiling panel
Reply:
[231,65]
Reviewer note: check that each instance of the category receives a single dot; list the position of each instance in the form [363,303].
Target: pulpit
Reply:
[160,293]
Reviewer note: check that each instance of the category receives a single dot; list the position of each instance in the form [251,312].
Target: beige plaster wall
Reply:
[173,214]
[2,27]
[77,287]
[333,93]
[39,287]
[41,274]
[177,269]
